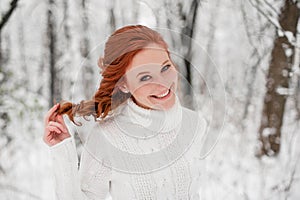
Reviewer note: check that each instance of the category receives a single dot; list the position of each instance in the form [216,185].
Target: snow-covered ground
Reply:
[229,31]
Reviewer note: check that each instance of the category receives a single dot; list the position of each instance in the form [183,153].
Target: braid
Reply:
[119,51]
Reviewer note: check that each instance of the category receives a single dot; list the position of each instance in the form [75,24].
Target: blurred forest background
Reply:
[49,50]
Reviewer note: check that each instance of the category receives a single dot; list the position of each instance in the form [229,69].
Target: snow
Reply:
[221,47]
[290,36]
[288,52]
[285,73]
[284,91]
[269,131]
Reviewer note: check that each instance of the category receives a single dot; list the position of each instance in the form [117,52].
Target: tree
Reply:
[186,14]
[55,89]
[87,67]
[278,77]
[5,74]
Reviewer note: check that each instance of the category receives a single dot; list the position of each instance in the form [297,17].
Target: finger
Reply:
[50,140]
[54,128]
[54,113]
[50,113]
[46,140]
[60,126]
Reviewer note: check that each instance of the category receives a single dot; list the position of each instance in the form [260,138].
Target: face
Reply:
[151,78]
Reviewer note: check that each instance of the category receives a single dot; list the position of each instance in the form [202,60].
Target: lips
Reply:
[164,94]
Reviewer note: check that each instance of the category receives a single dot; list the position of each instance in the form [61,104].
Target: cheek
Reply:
[143,91]
[172,76]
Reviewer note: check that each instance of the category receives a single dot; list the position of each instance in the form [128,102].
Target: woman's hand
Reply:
[55,127]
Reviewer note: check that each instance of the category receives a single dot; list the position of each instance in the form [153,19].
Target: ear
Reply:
[123,87]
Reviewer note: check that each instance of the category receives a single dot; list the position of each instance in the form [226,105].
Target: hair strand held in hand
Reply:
[120,49]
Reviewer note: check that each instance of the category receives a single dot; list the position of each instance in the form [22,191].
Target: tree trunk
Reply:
[112,17]
[87,69]
[55,90]
[277,81]
[208,72]
[5,77]
[188,30]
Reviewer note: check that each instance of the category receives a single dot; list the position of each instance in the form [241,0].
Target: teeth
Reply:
[163,95]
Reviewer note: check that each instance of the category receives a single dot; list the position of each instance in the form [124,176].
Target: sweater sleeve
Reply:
[91,181]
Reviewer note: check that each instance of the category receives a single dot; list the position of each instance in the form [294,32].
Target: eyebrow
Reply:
[149,72]
[165,62]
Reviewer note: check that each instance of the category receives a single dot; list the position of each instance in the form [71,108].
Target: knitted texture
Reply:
[130,157]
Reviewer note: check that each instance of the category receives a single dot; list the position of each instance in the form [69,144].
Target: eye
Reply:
[145,78]
[165,68]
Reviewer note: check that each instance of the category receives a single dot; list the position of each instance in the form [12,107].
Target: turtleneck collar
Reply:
[133,116]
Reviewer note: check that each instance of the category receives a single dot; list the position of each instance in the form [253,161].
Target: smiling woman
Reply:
[142,144]
[151,78]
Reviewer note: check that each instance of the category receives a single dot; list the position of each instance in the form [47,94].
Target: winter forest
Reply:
[239,65]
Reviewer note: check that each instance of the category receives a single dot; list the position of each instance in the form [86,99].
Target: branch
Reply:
[280,30]
[286,184]
[7,15]
[253,67]
[269,18]
[271,7]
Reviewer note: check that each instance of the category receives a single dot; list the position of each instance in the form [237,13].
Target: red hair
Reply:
[120,49]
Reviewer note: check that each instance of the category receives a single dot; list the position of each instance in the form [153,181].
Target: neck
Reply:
[153,120]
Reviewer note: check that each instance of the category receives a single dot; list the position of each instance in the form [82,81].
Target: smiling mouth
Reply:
[164,95]
[161,96]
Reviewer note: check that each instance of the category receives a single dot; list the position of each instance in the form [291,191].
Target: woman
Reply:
[142,144]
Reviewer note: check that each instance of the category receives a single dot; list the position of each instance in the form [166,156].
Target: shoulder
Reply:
[86,126]
[91,127]
[86,121]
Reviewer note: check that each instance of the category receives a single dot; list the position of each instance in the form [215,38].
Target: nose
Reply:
[162,81]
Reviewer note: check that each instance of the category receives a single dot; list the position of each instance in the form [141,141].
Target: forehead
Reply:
[152,54]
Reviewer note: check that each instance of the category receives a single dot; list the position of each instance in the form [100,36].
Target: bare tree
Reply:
[112,17]
[4,19]
[278,80]
[258,54]
[87,69]
[189,18]
[209,47]
[55,89]
[5,74]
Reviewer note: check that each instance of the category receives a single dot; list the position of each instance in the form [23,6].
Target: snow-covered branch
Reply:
[272,16]
[5,17]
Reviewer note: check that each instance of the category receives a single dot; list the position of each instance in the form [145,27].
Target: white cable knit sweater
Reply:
[136,154]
